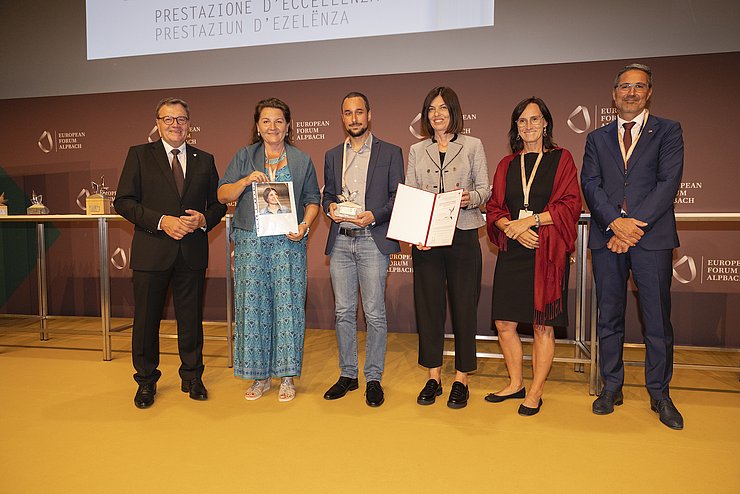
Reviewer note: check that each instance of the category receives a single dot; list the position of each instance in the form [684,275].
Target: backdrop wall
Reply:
[57,145]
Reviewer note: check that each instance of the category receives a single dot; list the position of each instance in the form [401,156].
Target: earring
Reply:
[544,132]
[518,137]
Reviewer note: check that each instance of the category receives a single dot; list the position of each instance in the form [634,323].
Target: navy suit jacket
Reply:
[147,190]
[649,185]
[384,173]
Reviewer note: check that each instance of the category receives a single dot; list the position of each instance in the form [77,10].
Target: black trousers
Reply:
[442,272]
[150,292]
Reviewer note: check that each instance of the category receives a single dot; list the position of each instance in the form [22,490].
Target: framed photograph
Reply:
[274,208]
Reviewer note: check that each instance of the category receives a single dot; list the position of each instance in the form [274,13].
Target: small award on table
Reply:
[97,202]
[37,207]
[3,207]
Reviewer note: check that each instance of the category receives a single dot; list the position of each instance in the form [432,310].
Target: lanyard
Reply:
[346,165]
[527,184]
[627,153]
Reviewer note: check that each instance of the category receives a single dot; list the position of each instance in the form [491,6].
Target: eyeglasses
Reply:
[535,121]
[639,87]
[170,120]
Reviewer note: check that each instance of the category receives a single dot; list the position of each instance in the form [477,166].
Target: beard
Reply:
[357,132]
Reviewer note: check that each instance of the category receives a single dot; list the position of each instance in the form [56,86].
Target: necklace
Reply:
[271,164]
[275,161]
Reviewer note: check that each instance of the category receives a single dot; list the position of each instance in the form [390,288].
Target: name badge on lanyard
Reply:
[527,184]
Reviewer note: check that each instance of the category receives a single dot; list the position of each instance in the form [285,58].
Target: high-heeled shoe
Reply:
[527,411]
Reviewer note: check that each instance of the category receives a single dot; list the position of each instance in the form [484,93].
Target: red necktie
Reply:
[627,138]
[177,172]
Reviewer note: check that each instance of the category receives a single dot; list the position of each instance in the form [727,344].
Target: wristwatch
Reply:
[308,228]
[536,220]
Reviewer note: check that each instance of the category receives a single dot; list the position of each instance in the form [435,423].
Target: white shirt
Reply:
[182,158]
[636,129]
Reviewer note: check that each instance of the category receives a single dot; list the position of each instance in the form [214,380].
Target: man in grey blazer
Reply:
[365,171]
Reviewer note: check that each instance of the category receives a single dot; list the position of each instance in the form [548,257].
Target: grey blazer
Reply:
[465,167]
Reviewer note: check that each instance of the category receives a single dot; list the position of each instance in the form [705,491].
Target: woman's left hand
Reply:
[295,237]
[529,239]
[465,201]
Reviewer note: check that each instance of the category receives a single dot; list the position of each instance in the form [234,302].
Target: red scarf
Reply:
[556,240]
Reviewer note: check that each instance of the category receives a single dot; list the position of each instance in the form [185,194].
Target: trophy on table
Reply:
[37,206]
[98,202]
[3,206]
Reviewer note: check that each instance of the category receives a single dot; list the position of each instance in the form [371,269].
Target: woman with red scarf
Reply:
[531,217]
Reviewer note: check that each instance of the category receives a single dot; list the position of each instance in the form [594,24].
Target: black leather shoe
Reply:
[374,394]
[195,388]
[494,398]
[341,387]
[145,395]
[459,395]
[604,404]
[526,411]
[431,390]
[669,414]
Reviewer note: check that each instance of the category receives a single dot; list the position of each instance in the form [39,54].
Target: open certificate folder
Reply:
[426,218]
[274,208]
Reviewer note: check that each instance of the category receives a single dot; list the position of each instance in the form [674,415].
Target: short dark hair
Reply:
[172,101]
[266,193]
[515,143]
[453,105]
[278,105]
[635,66]
[355,94]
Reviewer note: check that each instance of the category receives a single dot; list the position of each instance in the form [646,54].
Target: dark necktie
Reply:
[627,138]
[177,172]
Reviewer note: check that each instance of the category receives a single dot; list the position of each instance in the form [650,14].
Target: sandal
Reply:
[257,388]
[287,390]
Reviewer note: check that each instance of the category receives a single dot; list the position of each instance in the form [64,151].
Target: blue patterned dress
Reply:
[269,302]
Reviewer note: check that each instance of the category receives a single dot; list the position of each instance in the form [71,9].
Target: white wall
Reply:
[43,53]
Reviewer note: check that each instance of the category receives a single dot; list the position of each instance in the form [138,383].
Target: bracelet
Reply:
[536,220]
[308,228]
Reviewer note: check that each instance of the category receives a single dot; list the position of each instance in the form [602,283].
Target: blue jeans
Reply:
[357,262]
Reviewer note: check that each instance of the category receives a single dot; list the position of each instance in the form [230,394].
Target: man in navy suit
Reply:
[167,190]
[631,174]
[365,172]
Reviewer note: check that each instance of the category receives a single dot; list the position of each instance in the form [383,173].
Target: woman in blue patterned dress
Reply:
[269,272]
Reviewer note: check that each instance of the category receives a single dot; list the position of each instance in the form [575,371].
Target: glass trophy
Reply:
[347,208]
[98,202]
[37,206]
[3,205]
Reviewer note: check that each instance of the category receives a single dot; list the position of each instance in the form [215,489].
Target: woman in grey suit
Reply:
[445,161]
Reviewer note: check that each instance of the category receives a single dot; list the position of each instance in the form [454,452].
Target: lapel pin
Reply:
[650,131]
